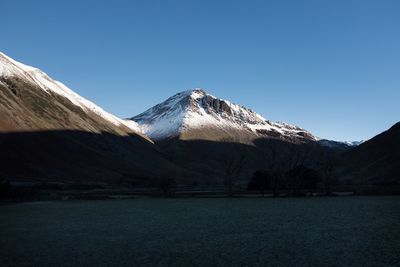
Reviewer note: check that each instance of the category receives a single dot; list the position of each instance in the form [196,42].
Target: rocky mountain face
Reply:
[208,135]
[48,132]
[196,115]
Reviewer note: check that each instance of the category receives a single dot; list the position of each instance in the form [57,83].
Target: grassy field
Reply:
[337,231]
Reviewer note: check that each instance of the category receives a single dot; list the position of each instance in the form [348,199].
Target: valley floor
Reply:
[341,231]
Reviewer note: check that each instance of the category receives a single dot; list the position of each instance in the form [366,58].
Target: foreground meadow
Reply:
[325,231]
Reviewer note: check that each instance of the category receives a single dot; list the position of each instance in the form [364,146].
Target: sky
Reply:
[329,66]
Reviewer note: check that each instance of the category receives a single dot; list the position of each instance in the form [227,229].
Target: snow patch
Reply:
[11,68]
[196,109]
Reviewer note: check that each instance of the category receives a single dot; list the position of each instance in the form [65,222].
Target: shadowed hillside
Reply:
[77,156]
[50,133]
[212,160]
[376,161]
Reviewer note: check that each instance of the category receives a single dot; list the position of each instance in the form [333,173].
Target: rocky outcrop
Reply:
[197,115]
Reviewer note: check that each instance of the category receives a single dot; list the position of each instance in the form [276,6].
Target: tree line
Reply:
[298,181]
[296,169]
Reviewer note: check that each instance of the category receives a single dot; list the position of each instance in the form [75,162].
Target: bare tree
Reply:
[264,180]
[233,168]
[281,156]
[326,163]
[233,163]
[276,162]
[302,180]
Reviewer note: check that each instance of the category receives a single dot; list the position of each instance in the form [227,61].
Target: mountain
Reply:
[31,100]
[339,144]
[209,135]
[374,162]
[197,115]
[50,133]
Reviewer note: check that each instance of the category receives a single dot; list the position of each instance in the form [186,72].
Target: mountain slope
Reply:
[194,114]
[375,161]
[209,135]
[338,144]
[30,99]
[50,133]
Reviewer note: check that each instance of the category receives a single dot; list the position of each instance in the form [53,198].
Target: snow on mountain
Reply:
[354,143]
[196,109]
[339,144]
[12,68]
[185,111]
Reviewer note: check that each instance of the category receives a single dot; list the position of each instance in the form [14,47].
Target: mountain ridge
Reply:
[196,109]
[202,110]
[11,69]
[375,161]
[50,133]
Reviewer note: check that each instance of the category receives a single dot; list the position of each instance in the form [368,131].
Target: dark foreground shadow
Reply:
[77,156]
[81,157]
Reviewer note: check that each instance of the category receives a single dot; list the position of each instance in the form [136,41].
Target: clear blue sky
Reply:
[330,66]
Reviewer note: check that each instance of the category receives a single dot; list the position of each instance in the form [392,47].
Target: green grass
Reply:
[337,231]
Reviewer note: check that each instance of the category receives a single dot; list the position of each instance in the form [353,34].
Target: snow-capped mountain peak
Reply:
[196,109]
[11,68]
